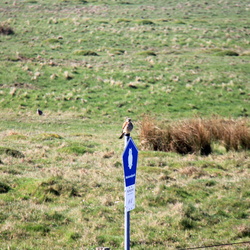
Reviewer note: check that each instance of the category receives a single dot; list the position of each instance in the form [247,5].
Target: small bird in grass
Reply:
[127,127]
[39,112]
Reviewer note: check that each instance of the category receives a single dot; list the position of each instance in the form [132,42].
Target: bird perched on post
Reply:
[39,112]
[127,127]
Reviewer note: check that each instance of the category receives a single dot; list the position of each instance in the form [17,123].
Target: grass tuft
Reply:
[233,134]
[147,53]
[123,20]
[144,22]
[227,53]
[54,188]
[6,30]
[243,231]
[117,51]
[36,228]
[85,53]
[11,152]
[52,40]
[4,188]
[195,135]
[49,136]
[76,149]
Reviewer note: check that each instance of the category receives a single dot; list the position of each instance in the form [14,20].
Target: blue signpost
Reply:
[130,158]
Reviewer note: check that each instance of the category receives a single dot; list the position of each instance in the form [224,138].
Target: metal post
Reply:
[126,214]
[127,231]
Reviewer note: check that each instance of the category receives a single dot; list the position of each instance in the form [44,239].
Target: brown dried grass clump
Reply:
[152,137]
[194,135]
[232,134]
[191,136]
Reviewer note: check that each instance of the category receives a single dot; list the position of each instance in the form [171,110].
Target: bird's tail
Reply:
[121,136]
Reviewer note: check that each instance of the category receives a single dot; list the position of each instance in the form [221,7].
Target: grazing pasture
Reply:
[89,64]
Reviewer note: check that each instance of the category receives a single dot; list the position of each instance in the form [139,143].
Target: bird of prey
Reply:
[127,127]
[39,112]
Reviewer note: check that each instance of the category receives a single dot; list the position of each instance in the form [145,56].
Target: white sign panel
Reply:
[129,198]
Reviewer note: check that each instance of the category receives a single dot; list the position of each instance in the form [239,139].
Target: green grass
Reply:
[61,177]
[185,74]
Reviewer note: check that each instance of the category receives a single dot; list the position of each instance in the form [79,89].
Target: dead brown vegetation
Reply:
[194,135]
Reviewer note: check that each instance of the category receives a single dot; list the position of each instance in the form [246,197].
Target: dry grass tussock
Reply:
[194,135]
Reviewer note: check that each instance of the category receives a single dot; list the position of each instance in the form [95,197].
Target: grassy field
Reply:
[90,64]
